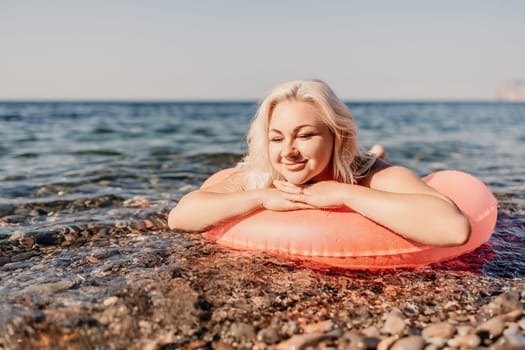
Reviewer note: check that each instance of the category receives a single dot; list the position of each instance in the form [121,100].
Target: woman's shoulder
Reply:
[378,166]
[385,175]
[395,178]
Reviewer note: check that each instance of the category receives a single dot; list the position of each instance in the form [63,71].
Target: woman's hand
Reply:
[323,194]
[275,199]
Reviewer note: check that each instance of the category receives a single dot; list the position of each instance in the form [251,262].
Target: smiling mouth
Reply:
[295,165]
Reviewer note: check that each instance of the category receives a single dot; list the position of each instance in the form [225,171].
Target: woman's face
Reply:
[300,144]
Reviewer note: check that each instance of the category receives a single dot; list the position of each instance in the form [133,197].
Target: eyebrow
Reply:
[296,128]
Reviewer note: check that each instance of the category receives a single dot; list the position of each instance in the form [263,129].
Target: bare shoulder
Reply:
[385,176]
[401,180]
[393,176]
[378,166]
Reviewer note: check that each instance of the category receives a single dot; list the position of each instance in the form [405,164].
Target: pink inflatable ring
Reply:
[344,238]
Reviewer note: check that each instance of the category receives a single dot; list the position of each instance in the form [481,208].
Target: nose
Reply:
[289,151]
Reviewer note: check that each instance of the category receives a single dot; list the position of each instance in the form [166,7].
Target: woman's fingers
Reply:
[296,197]
[299,205]
[292,192]
[323,194]
[285,205]
[276,199]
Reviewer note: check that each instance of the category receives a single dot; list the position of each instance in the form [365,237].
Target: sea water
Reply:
[66,166]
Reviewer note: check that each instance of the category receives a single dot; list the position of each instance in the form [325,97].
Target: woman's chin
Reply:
[297,180]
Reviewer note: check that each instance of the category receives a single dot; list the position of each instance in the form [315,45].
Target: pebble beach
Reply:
[130,290]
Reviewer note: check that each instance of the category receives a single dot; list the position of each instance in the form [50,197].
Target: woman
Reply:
[303,153]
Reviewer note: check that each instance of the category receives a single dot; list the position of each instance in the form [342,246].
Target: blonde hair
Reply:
[349,161]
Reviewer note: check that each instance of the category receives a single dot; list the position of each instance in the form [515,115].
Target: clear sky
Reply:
[239,49]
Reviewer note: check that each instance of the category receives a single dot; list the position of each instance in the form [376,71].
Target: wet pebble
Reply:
[92,260]
[521,323]
[436,342]
[504,303]
[219,345]
[197,345]
[62,262]
[268,336]
[413,342]
[4,260]
[290,328]
[464,329]
[51,287]
[439,330]
[513,315]
[13,219]
[410,309]
[371,342]
[494,327]
[323,326]
[48,239]
[352,340]
[110,301]
[386,343]
[371,331]
[512,339]
[17,265]
[433,347]
[394,324]
[242,332]
[26,241]
[301,341]
[467,341]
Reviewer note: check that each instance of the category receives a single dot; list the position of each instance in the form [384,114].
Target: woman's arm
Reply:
[399,199]
[201,209]
[396,198]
